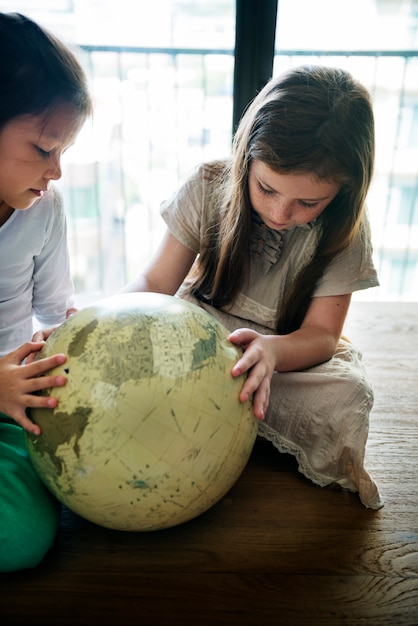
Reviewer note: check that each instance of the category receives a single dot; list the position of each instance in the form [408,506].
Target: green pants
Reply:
[29,514]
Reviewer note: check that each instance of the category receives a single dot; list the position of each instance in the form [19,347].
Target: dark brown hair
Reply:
[37,71]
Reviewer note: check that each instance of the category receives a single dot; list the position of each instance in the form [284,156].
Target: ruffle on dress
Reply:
[265,244]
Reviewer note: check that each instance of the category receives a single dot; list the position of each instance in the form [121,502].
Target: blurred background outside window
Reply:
[161,75]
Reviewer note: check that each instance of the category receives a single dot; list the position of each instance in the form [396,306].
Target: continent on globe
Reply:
[149,431]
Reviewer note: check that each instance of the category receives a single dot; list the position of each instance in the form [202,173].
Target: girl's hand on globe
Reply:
[43,333]
[19,382]
[40,336]
[259,361]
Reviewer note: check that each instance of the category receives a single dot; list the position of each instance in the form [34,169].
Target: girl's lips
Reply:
[37,192]
[275,226]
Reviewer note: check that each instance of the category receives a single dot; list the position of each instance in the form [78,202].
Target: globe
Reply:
[149,431]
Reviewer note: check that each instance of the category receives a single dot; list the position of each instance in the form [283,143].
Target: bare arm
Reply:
[166,271]
[315,342]
[317,338]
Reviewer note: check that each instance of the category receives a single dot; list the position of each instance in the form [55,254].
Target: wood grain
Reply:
[276,550]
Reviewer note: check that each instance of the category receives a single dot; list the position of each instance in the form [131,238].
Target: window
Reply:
[166,98]
[402,273]
[408,209]
[408,136]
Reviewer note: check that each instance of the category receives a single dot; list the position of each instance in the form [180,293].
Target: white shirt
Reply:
[34,270]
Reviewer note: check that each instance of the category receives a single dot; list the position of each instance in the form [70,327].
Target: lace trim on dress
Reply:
[257,312]
[367,489]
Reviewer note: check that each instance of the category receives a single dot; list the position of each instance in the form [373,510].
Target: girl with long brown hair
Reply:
[273,241]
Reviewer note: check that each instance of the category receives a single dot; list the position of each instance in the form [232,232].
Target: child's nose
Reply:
[54,169]
[282,210]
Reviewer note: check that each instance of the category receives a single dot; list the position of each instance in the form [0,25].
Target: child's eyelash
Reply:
[309,205]
[267,192]
[43,153]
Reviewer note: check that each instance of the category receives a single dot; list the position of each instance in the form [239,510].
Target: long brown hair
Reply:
[311,119]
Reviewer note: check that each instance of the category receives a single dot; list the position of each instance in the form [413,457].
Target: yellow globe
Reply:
[148,432]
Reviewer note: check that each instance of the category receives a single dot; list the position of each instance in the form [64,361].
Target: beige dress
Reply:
[320,415]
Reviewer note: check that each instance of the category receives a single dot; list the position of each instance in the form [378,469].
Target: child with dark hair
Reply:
[44,101]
